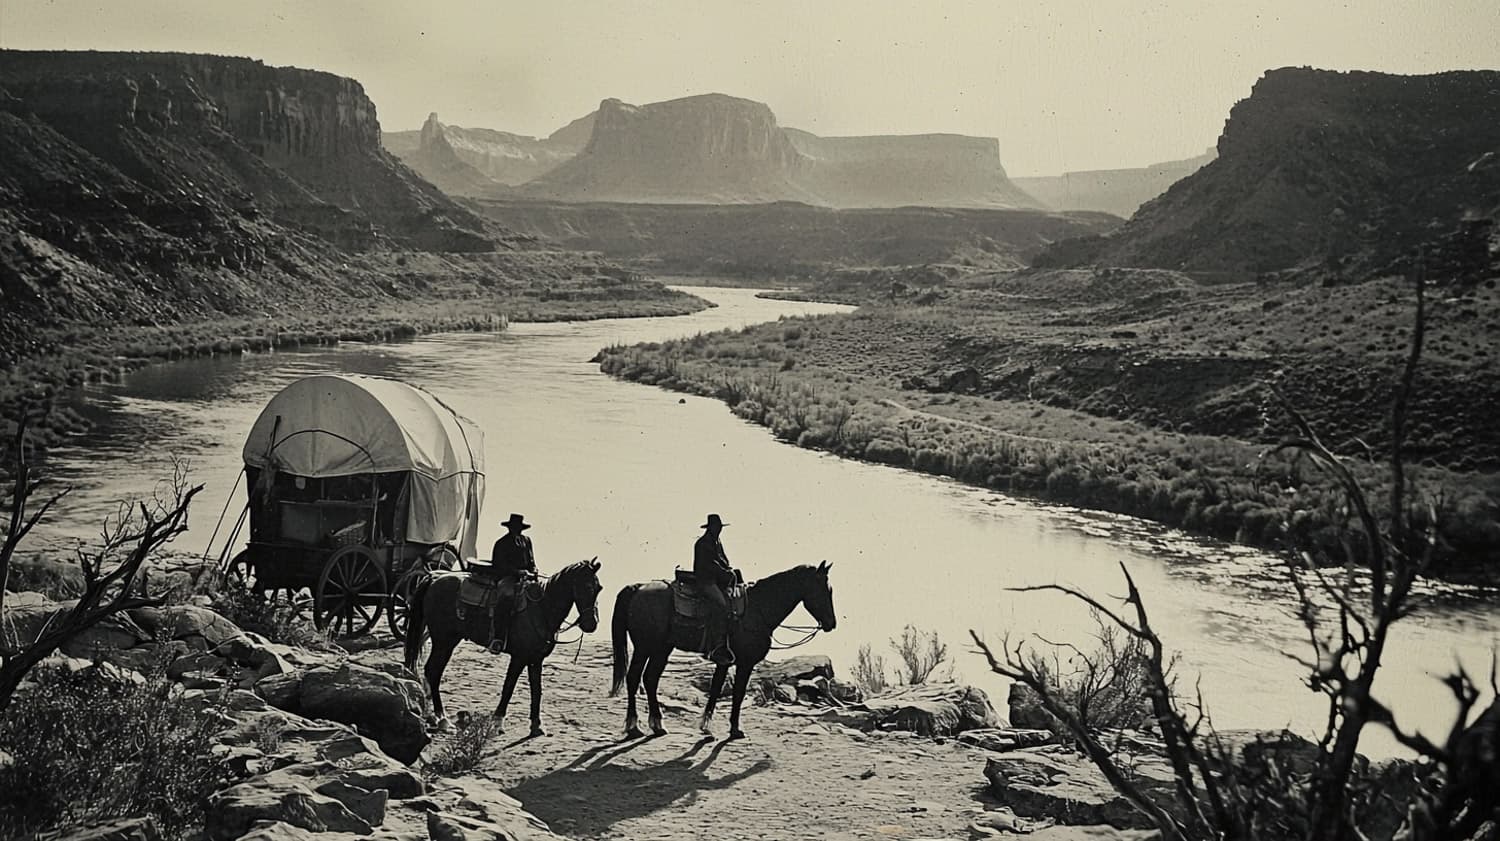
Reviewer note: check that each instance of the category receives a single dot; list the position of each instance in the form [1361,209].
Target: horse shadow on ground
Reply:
[589,795]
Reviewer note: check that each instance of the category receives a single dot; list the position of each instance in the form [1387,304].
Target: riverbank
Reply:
[68,356]
[842,384]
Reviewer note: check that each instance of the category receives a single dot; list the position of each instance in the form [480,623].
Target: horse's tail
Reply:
[619,629]
[416,620]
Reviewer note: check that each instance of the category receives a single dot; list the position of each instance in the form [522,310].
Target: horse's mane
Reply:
[795,572]
[572,568]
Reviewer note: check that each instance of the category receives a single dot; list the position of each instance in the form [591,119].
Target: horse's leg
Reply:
[741,681]
[654,667]
[534,677]
[512,674]
[721,671]
[632,683]
[437,661]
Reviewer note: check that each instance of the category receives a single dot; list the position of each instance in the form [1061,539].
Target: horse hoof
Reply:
[536,731]
[736,735]
[658,730]
[705,729]
[441,725]
[634,733]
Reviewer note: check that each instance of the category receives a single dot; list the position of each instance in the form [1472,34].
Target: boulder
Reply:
[1026,710]
[795,669]
[125,829]
[180,621]
[329,780]
[484,812]
[1002,740]
[930,709]
[236,810]
[390,710]
[257,653]
[1069,789]
[283,691]
[112,633]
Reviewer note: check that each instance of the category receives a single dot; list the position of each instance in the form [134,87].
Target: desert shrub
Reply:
[869,671]
[93,745]
[921,653]
[463,750]
[53,579]
[284,621]
[1107,687]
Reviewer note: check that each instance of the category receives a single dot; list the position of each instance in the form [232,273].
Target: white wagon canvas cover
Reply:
[344,425]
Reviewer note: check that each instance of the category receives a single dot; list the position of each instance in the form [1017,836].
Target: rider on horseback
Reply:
[713,576]
[512,560]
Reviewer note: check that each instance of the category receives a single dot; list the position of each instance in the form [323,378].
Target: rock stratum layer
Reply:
[1337,172]
[1117,191]
[711,149]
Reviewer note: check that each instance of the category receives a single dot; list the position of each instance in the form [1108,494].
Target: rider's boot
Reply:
[498,631]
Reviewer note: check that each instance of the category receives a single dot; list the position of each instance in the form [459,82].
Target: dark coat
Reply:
[512,555]
[710,564]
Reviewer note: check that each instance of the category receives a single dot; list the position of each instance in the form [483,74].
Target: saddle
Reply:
[689,605]
[479,594]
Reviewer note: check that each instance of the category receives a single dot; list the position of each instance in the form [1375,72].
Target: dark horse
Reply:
[645,612]
[533,631]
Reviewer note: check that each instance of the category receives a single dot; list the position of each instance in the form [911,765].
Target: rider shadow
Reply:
[589,795]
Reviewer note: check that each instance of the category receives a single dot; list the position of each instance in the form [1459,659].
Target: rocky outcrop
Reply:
[1117,191]
[154,188]
[928,170]
[710,149]
[717,149]
[1070,790]
[1327,172]
[388,709]
[929,709]
[480,161]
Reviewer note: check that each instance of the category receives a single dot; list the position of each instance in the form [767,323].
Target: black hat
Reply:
[713,521]
[516,521]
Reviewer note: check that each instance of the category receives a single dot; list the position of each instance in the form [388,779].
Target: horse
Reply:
[644,614]
[533,631]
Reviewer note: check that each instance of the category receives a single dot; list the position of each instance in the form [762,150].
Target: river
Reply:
[627,472]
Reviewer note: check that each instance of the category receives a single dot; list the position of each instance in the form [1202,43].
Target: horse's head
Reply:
[818,597]
[582,583]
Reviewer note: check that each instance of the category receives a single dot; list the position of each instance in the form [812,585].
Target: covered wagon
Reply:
[358,485]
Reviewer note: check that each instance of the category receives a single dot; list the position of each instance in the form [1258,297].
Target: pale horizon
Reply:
[1102,86]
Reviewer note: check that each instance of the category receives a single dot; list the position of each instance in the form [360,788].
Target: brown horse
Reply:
[533,631]
[644,612]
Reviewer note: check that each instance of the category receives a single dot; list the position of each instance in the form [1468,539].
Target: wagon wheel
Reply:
[240,574]
[445,558]
[351,592]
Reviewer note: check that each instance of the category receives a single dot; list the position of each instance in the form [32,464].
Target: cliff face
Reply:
[1340,173]
[717,149]
[152,188]
[301,146]
[710,149]
[1117,191]
[479,161]
[935,170]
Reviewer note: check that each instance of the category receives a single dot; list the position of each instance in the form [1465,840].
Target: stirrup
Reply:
[497,645]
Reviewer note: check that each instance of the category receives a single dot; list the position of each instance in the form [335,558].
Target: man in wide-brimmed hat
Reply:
[713,575]
[512,558]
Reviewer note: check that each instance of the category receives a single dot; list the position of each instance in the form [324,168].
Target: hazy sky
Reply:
[1083,84]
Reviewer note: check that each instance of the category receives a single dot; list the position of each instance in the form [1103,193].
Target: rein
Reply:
[810,631]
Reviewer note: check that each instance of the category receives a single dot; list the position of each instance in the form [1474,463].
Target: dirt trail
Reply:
[795,777]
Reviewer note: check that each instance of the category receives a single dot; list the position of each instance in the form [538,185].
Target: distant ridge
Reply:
[1117,191]
[714,149]
[1331,172]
